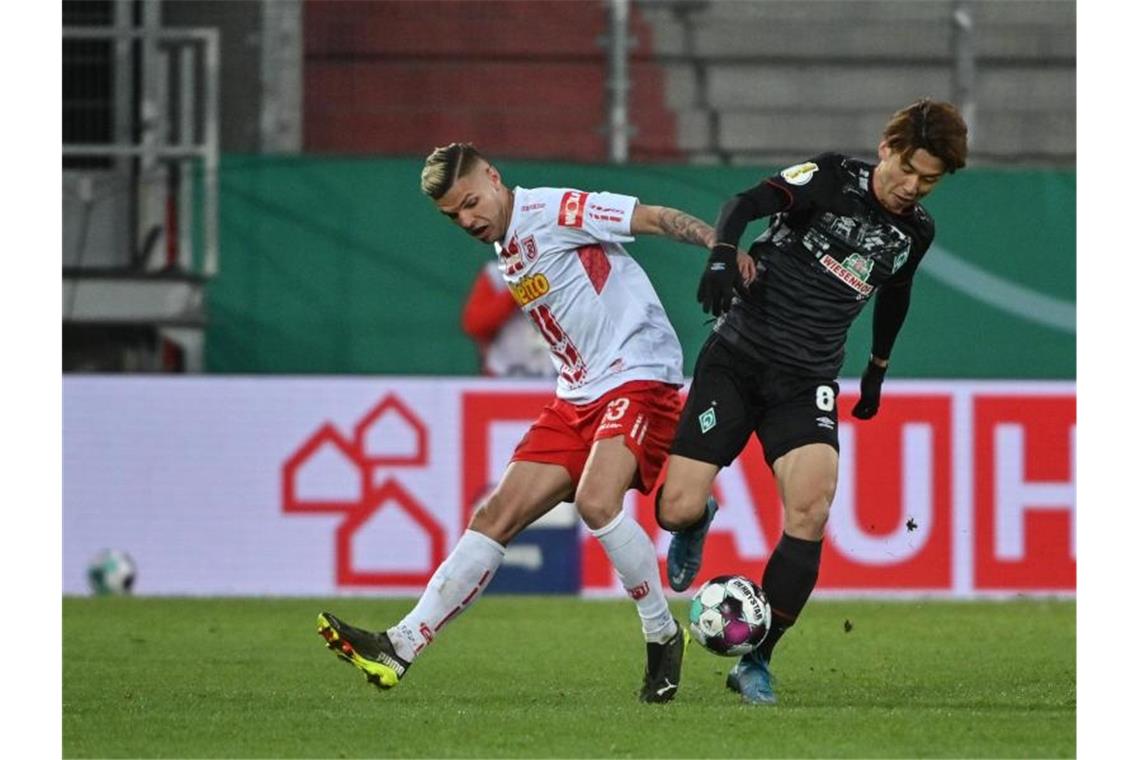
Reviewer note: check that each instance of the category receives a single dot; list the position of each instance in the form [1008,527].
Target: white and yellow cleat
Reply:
[371,652]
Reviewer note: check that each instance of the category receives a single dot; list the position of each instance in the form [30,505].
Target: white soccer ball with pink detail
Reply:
[730,615]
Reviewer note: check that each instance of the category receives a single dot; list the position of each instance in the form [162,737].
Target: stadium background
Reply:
[267,398]
[261,313]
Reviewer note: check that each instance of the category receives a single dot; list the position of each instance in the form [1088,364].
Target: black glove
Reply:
[719,280]
[870,390]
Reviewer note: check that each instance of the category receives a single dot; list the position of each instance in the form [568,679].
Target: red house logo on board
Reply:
[332,473]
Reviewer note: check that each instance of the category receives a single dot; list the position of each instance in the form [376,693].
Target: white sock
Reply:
[454,586]
[633,556]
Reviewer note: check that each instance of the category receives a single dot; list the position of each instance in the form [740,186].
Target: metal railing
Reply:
[617,81]
[178,122]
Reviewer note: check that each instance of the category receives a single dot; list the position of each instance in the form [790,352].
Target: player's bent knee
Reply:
[596,510]
[496,520]
[677,510]
[806,517]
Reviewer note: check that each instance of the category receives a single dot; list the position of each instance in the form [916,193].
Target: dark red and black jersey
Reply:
[829,247]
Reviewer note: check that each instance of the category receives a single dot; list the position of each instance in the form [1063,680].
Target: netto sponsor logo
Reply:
[570,211]
[530,288]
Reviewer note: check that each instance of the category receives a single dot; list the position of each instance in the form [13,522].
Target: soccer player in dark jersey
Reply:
[842,231]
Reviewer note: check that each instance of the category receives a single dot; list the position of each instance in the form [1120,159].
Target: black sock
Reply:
[788,582]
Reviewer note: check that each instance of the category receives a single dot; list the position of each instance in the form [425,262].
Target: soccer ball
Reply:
[111,572]
[730,615]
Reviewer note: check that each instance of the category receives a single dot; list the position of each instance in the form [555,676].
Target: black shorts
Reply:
[733,396]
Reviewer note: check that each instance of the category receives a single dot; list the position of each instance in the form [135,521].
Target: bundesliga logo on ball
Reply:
[730,615]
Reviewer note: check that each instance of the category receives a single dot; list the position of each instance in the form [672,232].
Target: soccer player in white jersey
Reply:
[608,428]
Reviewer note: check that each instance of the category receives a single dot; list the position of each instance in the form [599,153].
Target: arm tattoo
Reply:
[685,228]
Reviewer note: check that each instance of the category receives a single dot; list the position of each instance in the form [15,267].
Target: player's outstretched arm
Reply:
[671,223]
[684,228]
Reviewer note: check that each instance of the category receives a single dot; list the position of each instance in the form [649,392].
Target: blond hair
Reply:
[445,165]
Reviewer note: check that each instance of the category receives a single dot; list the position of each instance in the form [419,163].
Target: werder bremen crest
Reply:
[707,420]
[900,259]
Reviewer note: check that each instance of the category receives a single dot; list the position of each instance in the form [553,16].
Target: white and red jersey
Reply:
[564,263]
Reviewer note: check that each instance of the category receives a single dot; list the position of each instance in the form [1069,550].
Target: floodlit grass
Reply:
[557,677]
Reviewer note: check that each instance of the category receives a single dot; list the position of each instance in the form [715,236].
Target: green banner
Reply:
[340,265]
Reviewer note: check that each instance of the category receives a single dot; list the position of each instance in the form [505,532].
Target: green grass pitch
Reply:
[557,677]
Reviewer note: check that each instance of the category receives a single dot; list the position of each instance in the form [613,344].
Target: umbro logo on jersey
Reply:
[571,210]
[825,422]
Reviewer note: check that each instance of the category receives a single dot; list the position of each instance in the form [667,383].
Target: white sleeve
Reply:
[595,217]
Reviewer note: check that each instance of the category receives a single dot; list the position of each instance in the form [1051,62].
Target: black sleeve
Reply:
[891,305]
[893,299]
[794,188]
[754,203]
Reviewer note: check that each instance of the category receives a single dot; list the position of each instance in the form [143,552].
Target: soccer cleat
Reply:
[663,667]
[371,652]
[685,550]
[752,680]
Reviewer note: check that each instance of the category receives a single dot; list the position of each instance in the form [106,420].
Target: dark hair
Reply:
[932,125]
[445,165]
